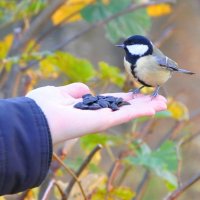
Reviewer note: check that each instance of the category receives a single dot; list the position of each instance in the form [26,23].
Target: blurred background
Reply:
[46,42]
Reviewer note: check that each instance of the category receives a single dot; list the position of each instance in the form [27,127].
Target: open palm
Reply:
[67,122]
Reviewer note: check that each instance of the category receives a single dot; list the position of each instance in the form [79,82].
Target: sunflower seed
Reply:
[86,95]
[101,97]
[90,100]
[82,106]
[114,107]
[118,100]
[124,103]
[110,99]
[94,106]
[103,103]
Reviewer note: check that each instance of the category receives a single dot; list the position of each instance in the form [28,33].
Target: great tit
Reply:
[147,64]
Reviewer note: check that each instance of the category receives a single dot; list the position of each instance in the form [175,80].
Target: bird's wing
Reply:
[164,61]
[167,63]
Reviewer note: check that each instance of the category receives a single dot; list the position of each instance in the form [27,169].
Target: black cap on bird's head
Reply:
[137,45]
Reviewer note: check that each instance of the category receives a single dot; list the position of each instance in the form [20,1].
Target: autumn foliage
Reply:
[122,165]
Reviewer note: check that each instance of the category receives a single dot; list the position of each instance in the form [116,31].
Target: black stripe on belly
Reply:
[140,81]
[143,83]
[132,71]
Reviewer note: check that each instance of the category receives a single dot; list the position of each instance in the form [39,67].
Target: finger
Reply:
[76,90]
[156,104]
[129,96]
[160,97]
[130,112]
[126,114]
[148,99]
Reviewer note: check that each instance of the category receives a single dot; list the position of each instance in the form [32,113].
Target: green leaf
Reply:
[118,193]
[122,193]
[163,114]
[8,66]
[140,147]
[170,179]
[36,6]
[94,168]
[137,22]
[74,164]
[142,119]
[163,161]
[99,11]
[88,142]
[111,73]
[167,154]
[76,69]
[159,115]
[12,10]
[47,66]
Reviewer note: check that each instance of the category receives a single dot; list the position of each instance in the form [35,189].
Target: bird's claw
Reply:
[155,93]
[135,91]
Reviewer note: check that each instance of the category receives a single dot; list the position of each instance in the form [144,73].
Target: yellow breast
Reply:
[150,72]
[127,66]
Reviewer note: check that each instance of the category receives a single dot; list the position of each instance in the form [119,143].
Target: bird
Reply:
[147,64]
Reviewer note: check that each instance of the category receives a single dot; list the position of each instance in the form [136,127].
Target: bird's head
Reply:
[137,46]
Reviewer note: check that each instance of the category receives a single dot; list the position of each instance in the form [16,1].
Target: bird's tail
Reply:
[185,71]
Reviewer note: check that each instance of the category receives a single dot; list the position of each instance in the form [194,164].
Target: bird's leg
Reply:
[155,93]
[137,91]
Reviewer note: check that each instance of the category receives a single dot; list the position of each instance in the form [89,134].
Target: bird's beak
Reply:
[120,45]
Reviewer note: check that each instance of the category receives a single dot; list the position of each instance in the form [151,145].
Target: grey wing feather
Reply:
[167,63]
[164,61]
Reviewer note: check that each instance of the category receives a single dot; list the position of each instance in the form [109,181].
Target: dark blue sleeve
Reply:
[25,145]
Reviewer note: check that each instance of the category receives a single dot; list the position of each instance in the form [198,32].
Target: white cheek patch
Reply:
[137,49]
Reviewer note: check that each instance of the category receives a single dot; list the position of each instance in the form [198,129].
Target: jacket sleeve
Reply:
[25,145]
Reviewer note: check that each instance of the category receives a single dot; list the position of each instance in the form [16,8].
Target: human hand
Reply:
[66,122]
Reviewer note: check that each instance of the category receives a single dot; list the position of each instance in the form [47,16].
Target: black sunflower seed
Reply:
[118,100]
[82,106]
[101,97]
[114,107]
[110,99]
[103,103]
[94,106]
[90,100]
[86,95]
[97,102]
[124,103]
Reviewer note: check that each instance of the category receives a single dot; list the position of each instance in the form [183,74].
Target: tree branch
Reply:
[82,167]
[50,186]
[75,177]
[37,24]
[141,187]
[174,195]
[101,23]
[53,28]
[113,174]
[59,189]
[108,19]
[189,139]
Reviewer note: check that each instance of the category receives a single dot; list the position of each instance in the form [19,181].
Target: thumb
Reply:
[75,90]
